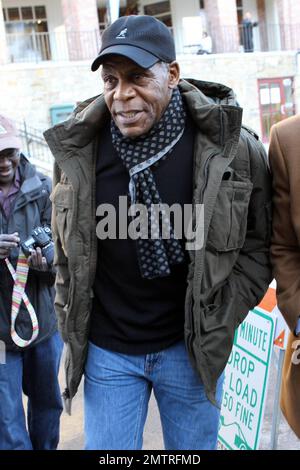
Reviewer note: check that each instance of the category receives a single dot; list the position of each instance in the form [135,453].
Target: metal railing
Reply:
[84,45]
[54,46]
[35,148]
[263,37]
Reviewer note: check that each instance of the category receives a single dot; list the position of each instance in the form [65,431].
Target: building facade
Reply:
[39,30]
[46,48]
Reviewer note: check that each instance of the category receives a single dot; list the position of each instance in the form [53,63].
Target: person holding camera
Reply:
[28,326]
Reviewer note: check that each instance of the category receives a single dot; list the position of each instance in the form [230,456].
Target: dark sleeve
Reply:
[45,217]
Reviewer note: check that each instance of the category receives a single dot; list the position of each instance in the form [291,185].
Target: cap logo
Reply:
[2,130]
[122,34]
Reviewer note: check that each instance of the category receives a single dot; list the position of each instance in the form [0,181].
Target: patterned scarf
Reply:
[155,255]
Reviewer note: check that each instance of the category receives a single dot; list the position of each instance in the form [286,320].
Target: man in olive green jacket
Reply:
[226,276]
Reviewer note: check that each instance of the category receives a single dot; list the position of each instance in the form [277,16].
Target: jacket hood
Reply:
[203,98]
[213,93]
[30,179]
[26,169]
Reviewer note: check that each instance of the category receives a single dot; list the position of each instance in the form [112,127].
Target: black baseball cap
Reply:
[141,38]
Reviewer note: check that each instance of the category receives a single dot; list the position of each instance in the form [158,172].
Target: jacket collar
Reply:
[30,181]
[212,106]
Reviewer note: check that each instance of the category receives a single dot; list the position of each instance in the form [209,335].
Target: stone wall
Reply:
[30,90]
[241,72]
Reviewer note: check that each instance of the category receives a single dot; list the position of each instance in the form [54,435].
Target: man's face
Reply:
[9,161]
[137,97]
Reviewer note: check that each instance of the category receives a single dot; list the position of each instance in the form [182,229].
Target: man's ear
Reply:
[174,74]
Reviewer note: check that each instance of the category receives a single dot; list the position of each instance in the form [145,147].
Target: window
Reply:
[201,4]
[13,14]
[161,11]
[156,9]
[40,12]
[276,102]
[27,33]
[131,9]
[27,13]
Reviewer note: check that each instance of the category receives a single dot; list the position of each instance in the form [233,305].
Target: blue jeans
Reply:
[35,371]
[116,395]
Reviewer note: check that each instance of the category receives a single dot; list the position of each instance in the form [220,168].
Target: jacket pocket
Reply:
[228,226]
[62,198]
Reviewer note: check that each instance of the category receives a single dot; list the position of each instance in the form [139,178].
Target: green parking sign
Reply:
[246,382]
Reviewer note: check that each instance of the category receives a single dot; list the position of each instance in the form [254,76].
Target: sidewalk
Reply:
[72,426]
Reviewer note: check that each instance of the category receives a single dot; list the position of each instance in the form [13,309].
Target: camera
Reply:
[40,237]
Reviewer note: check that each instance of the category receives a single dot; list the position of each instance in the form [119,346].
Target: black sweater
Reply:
[130,314]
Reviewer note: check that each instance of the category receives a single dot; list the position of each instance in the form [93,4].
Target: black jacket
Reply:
[31,208]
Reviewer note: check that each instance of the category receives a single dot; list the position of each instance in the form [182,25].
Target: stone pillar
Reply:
[3,48]
[289,20]
[262,24]
[223,25]
[82,28]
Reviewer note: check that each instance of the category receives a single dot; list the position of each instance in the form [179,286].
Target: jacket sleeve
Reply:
[252,272]
[62,281]
[285,250]
[45,218]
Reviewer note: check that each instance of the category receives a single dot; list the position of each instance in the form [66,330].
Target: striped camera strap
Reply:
[20,276]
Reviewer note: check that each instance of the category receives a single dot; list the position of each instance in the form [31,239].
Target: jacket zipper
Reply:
[93,208]
[191,336]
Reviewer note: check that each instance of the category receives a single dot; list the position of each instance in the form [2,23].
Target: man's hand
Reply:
[37,261]
[7,243]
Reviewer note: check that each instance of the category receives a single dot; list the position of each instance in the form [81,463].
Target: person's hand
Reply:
[7,243]
[37,261]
